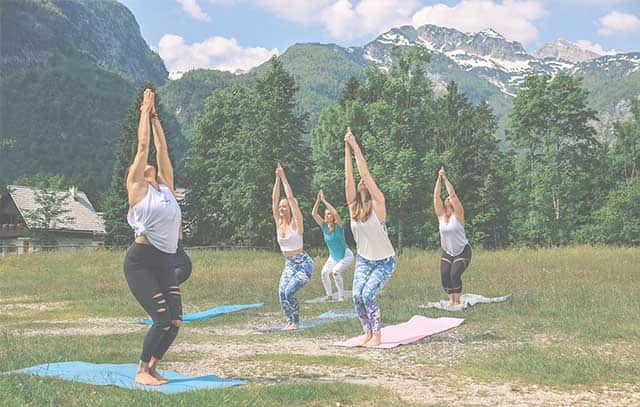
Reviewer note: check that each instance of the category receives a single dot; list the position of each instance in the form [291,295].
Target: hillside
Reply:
[69,71]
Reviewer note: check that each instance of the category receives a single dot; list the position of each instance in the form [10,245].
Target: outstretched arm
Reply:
[165,169]
[135,178]
[349,179]
[314,211]
[363,169]
[275,198]
[437,201]
[293,202]
[333,210]
[376,194]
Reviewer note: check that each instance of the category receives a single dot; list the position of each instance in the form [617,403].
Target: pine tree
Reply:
[390,115]
[556,156]
[240,137]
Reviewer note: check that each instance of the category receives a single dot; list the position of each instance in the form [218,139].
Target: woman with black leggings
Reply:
[456,251]
[155,216]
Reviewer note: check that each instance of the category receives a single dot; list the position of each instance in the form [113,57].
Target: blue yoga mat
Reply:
[210,313]
[322,319]
[123,375]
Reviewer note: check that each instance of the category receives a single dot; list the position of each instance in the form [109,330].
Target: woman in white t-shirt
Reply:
[456,251]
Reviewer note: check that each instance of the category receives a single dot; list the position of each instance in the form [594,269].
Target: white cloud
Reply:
[216,53]
[616,22]
[193,9]
[512,18]
[345,19]
[597,48]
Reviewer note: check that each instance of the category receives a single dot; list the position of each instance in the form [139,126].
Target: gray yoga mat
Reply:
[322,319]
[334,298]
[466,301]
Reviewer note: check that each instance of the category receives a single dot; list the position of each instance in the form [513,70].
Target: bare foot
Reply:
[158,376]
[145,378]
[365,340]
[341,299]
[374,341]
[290,327]
[327,298]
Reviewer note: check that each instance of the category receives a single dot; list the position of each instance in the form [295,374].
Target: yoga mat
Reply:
[466,300]
[348,295]
[210,313]
[322,319]
[123,375]
[413,330]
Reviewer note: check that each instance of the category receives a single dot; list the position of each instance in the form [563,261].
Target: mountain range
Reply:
[69,69]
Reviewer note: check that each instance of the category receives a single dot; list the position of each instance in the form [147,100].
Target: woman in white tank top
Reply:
[456,251]
[298,265]
[376,260]
[155,216]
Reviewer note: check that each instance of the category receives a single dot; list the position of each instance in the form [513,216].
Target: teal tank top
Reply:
[336,243]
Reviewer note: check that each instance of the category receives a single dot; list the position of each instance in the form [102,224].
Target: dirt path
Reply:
[418,372]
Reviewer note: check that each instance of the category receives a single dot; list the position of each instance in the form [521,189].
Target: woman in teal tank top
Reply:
[340,257]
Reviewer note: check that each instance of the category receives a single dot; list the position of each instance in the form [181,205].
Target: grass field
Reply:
[569,335]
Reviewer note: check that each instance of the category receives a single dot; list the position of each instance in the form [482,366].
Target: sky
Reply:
[237,35]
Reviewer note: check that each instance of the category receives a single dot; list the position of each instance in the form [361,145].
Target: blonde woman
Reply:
[376,260]
[340,257]
[298,265]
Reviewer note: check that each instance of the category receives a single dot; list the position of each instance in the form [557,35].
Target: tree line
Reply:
[551,182]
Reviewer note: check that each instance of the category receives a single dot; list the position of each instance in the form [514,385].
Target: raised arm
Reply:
[349,179]
[437,201]
[165,169]
[333,210]
[363,169]
[314,211]
[275,198]
[293,202]
[458,209]
[135,178]
[376,194]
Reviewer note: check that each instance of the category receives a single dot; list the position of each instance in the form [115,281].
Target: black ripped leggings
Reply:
[153,283]
[451,269]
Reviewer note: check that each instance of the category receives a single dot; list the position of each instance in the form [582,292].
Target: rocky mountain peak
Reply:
[566,51]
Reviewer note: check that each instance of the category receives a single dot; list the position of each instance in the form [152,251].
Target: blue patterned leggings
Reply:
[296,274]
[369,277]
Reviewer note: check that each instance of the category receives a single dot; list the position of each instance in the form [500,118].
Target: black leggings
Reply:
[152,282]
[451,269]
[181,264]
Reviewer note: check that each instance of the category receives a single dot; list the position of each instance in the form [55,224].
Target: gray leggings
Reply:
[451,269]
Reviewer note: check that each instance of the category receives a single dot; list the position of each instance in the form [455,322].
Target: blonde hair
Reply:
[362,207]
[281,218]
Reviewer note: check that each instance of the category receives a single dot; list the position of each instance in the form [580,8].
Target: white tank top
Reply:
[452,236]
[158,218]
[292,241]
[372,240]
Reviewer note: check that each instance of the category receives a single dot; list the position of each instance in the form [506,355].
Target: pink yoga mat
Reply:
[413,330]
